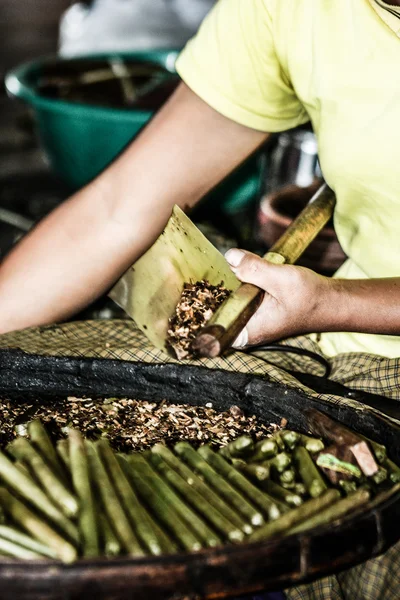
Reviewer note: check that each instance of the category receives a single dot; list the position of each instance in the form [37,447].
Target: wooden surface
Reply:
[215,573]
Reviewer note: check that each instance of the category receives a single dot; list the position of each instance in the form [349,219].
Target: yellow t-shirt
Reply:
[274,64]
[387,9]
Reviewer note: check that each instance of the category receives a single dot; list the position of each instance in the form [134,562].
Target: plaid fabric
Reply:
[121,340]
[377,579]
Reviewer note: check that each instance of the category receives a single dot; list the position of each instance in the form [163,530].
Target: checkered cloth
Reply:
[377,579]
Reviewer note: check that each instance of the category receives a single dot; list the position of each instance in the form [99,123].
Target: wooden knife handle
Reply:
[302,231]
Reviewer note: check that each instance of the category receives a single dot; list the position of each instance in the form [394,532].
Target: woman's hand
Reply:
[299,301]
[296,299]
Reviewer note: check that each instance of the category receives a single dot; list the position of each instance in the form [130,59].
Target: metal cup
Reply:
[293,161]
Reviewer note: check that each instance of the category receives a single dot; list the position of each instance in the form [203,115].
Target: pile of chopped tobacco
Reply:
[131,424]
[196,306]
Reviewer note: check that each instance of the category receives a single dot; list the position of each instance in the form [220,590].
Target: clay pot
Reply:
[277,211]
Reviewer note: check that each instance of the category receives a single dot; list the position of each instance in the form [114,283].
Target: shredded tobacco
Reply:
[197,304]
[132,424]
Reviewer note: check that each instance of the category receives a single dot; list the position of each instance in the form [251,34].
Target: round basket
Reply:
[213,573]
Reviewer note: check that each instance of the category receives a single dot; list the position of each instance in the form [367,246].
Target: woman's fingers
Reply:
[249,267]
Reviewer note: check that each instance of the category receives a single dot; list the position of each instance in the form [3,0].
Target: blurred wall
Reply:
[28,28]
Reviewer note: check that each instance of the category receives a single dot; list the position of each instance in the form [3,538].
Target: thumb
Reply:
[250,268]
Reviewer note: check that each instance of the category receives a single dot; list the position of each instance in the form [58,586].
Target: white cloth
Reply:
[124,25]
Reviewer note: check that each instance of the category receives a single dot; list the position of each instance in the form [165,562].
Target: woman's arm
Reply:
[79,250]
[299,301]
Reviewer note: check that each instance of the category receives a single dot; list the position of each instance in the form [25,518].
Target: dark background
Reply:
[28,29]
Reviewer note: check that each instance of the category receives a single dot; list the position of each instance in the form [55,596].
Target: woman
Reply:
[255,67]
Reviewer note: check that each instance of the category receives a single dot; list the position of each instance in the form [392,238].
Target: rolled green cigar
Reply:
[111,502]
[290,438]
[238,463]
[241,447]
[226,454]
[277,491]
[288,476]
[259,499]
[384,495]
[393,470]
[255,471]
[297,515]
[311,444]
[279,463]
[196,500]
[166,542]
[225,489]
[15,536]
[27,489]
[37,527]
[41,441]
[300,489]
[87,520]
[369,486]
[21,429]
[23,468]
[347,486]
[309,473]
[278,439]
[380,476]
[288,486]
[206,536]
[263,450]
[109,540]
[63,452]
[140,519]
[335,511]
[14,550]
[165,512]
[202,487]
[54,488]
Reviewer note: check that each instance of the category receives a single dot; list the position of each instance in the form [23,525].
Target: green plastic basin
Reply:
[80,140]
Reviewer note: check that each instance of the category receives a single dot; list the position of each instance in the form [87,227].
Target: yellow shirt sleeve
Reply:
[233,66]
